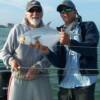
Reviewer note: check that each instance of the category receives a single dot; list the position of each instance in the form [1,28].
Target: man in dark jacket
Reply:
[76,55]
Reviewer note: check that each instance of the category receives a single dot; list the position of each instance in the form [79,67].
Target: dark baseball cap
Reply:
[66,4]
[33,4]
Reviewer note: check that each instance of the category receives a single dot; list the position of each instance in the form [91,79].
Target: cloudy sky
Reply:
[13,11]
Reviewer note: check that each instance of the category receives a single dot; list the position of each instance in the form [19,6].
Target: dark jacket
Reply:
[87,48]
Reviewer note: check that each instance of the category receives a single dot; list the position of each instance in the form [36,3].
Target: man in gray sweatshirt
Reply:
[29,79]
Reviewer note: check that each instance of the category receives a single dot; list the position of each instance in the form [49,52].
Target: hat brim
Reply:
[34,6]
[62,6]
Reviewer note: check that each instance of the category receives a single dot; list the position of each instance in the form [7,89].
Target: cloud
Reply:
[17,7]
[15,3]
[10,12]
[87,1]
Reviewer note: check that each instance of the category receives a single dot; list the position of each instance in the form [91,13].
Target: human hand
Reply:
[44,49]
[64,37]
[35,45]
[14,64]
[32,73]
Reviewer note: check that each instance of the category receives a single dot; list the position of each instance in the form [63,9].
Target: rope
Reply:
[26,68]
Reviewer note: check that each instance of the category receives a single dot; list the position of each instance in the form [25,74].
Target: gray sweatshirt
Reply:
[24,55]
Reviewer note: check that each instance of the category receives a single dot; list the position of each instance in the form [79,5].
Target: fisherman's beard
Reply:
[35,22]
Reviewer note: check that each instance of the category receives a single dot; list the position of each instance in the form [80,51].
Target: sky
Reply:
[12,11]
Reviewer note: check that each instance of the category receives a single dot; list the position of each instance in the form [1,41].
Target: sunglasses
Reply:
[66,10]
[35,10]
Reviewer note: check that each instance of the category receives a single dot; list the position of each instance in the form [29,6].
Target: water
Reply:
[53,76]
[3,35]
